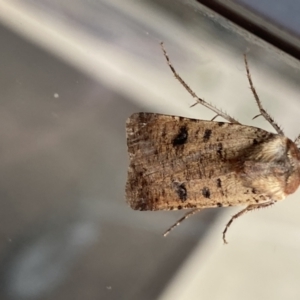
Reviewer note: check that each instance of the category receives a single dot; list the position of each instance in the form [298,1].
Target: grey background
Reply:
[282,13]
[66,230]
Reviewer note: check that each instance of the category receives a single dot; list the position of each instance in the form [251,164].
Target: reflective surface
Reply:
[70,75]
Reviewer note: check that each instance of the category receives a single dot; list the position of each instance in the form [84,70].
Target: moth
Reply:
[181,163]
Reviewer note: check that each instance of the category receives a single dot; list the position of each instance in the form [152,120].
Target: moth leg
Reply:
[248,208]
[190,213]
[262,111]
[193,94]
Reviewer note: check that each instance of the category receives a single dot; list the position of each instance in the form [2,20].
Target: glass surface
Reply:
[71,73]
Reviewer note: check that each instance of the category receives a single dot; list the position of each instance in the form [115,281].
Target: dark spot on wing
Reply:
[164,132]
[219,204]
[206,192]
[180,189]
[219,183]
[206,135]
[181,137]
[194,120]
[220,149]
[221,123]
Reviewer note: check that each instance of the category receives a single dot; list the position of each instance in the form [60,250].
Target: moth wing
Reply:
[177,162]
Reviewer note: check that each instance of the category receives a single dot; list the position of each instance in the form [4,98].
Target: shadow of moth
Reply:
[180,163]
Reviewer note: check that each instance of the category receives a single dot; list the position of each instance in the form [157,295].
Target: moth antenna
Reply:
[187,215]
[263,112]
[247,209]
[193,94]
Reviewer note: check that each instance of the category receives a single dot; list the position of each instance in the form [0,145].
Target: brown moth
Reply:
[180,163]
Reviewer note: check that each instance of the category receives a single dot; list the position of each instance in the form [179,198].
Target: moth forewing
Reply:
[178,163]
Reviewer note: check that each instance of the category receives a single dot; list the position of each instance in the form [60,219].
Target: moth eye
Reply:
[181,137]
